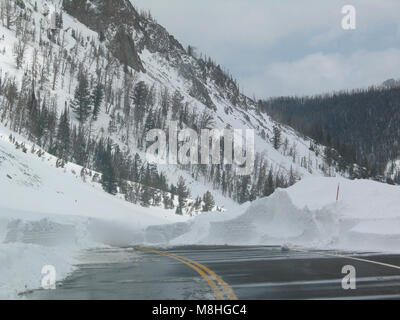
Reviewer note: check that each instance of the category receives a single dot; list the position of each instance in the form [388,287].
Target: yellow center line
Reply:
[202,270]
[211,283]
[227,288]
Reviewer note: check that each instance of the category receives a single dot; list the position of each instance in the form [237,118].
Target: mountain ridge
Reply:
[68,66]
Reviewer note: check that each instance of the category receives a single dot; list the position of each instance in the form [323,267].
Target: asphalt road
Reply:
[205,272]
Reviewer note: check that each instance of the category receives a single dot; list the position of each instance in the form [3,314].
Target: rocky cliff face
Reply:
[115,21]
[128,33]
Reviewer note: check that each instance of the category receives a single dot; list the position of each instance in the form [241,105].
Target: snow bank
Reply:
[366,217]
[49,215]
[21,266]
[269,221]
[362,199]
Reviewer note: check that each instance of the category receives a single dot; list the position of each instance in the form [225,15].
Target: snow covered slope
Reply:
[48,215]
[121,51]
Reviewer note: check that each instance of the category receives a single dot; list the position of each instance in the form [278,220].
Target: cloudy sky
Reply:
[289,47]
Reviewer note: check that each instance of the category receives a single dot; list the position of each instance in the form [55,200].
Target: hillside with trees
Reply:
[362,125]
[88,93]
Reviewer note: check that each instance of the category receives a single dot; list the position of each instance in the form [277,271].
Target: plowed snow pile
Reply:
[48,215]
[366,217]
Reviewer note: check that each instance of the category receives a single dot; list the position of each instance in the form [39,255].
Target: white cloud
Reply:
[257,39]
[320,73]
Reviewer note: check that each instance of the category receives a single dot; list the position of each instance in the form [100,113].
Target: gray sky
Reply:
[289,47]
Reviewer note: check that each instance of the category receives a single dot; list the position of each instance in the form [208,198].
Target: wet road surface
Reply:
[223,272]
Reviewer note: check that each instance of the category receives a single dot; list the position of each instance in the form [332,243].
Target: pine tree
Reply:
[166,200]
[139,98]
[43,123]
[60,20]
[81,104]
[197,203]
[97,99]
[244,192]
[224,185]
[149,123]
[108,179]
[209,202]
[277,138]
[253,193]
[79,152]
[34,114]
[63,136]
[165,100]
[177,104]
[136,165]
[183,193]
[269,186]
[145,196]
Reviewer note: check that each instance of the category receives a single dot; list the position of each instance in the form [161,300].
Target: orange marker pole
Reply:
[337,194]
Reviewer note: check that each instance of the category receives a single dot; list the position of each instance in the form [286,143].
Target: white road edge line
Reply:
[349,257]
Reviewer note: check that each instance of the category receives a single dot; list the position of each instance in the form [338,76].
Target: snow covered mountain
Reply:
[81,83]
[55,55]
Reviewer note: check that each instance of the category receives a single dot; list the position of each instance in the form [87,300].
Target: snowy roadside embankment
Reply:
[21,265]
[49,216]
[366,217]
[30,241]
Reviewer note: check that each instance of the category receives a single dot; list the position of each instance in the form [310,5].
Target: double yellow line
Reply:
[220,288]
